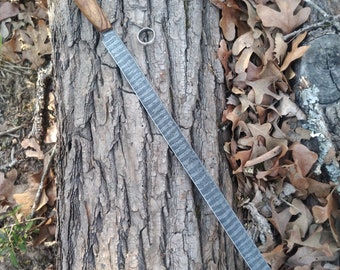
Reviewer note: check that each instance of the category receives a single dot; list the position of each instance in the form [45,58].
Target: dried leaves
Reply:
[273,169]
[25,33]
[25,36]
[285,18]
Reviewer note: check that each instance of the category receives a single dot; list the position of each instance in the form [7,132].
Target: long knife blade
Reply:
[183,150]
[174,137]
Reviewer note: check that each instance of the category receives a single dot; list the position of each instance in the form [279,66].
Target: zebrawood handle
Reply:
[94,14]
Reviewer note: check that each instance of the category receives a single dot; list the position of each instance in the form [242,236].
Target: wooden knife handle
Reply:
[94,14]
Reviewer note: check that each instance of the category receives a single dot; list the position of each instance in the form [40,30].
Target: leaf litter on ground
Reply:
[273,169]
[25,48]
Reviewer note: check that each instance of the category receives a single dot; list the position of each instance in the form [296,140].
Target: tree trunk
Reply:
[124,200]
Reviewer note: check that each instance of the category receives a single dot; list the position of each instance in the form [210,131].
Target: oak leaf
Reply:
[230,21]
[296,51]
[38,45]
[286,19]
[261,88]
[264,131]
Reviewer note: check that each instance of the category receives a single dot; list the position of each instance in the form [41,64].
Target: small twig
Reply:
[324,13]
[306,28]
[12,163]
[41,184]
[3,133]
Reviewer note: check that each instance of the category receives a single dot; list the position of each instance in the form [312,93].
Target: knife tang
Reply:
[94,14]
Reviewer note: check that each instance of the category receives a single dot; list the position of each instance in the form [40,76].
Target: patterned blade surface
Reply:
[183,151]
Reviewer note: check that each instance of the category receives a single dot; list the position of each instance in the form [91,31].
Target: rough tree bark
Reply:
[124,200]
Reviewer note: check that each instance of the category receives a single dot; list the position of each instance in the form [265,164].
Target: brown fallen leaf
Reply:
[264,131]
[242,42]
[35,152]
[38,46]
[304,217]
[323,213]
[319,189]
[252,18]
[26,200]
[224,54]
[289,108]
[261,88]
[280,220]
[294,236]
[264,157]
[276,258]
[303,158]
[230,21]
[295,178]
[233,114]
[7,184]
[9,49]
[296,52]
[8,10]
[280,49]
[307,255]
[286,19]
[45,232]
[242,157]
[243,60]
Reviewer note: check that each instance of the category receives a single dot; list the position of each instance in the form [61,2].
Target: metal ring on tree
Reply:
[146,36]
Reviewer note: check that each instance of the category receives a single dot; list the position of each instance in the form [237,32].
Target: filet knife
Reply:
[173,136]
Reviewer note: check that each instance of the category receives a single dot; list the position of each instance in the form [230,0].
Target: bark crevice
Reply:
[124,200]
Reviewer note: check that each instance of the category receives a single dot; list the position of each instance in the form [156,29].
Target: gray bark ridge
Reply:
[124,200]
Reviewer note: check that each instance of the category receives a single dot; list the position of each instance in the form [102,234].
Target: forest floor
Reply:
[27,139]
[275,180]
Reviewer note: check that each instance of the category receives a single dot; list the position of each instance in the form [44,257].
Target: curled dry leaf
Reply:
[264,157]
[280,49]
[296,52]
[230,21]
[224,54]
[244,41]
